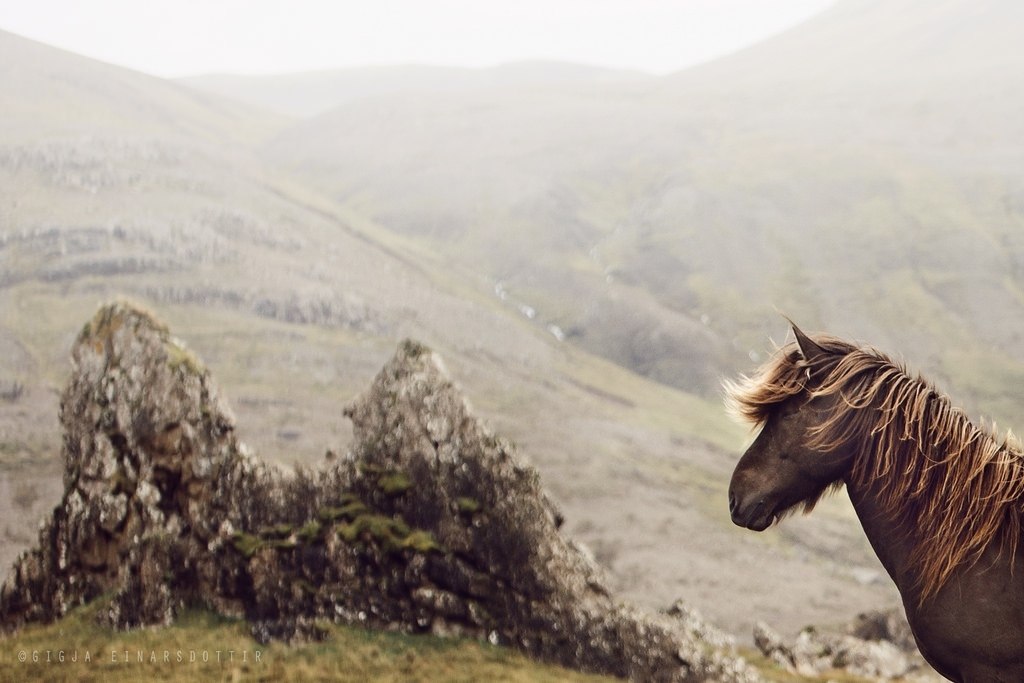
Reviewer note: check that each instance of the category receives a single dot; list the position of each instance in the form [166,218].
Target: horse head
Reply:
[783,467]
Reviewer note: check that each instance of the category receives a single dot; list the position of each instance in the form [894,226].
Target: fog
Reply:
[173,39]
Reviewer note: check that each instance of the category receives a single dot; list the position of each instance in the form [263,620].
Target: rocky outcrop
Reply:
[154,479]
[878,645]
[430,524]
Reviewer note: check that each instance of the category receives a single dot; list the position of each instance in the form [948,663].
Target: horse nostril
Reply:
[732,504]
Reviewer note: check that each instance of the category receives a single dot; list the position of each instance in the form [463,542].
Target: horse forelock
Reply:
[960,487]
[752,399]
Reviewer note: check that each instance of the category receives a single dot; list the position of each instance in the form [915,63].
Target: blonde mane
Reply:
[958,486]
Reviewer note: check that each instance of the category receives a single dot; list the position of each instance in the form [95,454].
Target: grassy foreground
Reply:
[202,646]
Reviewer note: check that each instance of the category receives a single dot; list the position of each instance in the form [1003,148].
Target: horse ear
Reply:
[809,349]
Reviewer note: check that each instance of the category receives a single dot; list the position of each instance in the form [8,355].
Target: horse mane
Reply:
[958,486]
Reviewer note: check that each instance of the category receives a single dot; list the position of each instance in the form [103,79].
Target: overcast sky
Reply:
[188,37]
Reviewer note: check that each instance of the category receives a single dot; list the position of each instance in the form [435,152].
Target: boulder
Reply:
[887,625]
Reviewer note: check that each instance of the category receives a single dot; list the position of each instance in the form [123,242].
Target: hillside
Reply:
[865,156]
[291,296]
[907,48]
[590,257]
[49,93]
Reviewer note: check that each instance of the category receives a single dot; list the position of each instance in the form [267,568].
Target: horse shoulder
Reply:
[973,630]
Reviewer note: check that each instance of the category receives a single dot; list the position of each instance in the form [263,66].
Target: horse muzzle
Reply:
[756,516]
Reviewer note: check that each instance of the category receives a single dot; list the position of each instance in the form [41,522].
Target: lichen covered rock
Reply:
[149,454]
[430,524]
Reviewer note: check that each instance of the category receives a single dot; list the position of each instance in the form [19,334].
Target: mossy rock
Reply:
[422,542]
[390,482]
[247,544]
[277,531]
[394,483]
[181,359]
[467,505]
[382,529]
[310,532]
[112,317]
[389,533]
[349,511]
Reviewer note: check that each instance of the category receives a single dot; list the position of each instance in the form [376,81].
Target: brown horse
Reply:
[940,500]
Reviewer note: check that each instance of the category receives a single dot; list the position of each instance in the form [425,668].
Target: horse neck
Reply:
[893,541]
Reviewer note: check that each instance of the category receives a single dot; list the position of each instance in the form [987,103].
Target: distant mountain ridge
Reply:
[307,94]
[880,43]
[52,92]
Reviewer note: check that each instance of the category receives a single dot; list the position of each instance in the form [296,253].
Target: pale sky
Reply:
[187,37]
